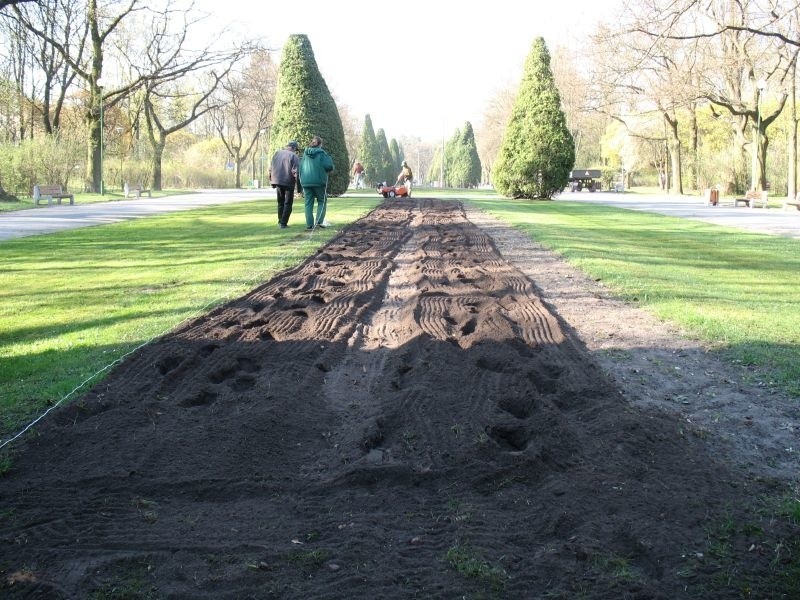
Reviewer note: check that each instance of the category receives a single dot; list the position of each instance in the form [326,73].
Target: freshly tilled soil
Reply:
[400,416]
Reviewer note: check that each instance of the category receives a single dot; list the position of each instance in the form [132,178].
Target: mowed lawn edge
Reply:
[73,302]
[735,290]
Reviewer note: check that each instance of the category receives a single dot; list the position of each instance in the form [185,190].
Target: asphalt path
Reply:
[49,219]
[762,220]
[58,217]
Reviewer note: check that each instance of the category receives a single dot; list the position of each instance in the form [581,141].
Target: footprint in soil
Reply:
[202,398]
[169,363]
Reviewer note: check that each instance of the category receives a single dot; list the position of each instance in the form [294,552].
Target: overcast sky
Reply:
[418,68]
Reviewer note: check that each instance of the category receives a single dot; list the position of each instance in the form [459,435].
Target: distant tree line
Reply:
[155,110]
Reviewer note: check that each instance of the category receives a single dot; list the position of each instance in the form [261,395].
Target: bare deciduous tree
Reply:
[742,43]
[574,78]
[167,30]
[159,99]
[4,3]
[245,104]
[169,103]
[490,131]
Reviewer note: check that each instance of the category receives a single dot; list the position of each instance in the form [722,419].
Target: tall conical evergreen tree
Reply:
[450,159]
[304,107]
[435,170]
[538,150]
[369,154]
[397,157]
[473,177]
[463,163]
[386,170]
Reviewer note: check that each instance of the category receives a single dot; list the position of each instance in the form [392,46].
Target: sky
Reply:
[418,68]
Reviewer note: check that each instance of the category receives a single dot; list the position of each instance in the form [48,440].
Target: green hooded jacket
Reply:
[315,166]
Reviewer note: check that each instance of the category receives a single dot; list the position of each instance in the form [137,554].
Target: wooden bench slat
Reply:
[50,193]
[751,198]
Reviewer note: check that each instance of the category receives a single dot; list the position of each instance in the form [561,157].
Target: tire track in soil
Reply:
[345,430]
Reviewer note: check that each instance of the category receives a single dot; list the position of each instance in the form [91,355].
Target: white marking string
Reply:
[296,245]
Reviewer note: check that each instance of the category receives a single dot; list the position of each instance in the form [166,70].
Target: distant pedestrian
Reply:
[358,175]
[314,168]
[406,177]
[283,177]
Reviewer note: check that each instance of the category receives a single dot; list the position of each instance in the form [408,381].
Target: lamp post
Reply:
[441,166]
[261,158]
[755,178]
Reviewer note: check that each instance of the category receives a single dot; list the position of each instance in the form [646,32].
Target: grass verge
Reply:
[73,302]
[734,289]
[26,202]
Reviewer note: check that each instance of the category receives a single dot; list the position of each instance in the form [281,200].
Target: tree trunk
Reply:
[791,176]
[763,144]
[95,115]
[675,155]
[694,145]
[94,162]
[238,166]
[738,170]
[158,155]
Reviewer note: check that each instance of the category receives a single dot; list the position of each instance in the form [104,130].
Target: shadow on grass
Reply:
[737,290]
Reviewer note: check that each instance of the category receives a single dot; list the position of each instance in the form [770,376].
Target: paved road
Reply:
[48,219]
[57,218]
[772,220]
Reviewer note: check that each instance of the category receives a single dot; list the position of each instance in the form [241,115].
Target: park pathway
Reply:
[771,221]
[49,219]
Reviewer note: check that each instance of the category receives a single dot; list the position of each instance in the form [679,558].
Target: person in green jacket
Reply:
[315,165]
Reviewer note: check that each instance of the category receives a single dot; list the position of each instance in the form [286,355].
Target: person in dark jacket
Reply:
[283,176]
[314,168]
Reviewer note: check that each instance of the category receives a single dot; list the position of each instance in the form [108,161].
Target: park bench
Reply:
[50,193]
[137,189]
[796,202]
[751,198]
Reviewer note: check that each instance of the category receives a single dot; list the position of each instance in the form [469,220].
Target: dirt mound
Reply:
[399,416]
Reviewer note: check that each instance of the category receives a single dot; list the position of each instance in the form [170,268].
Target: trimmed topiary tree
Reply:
[304,107]
[463,163]
[369,154]
[471,148]
[396,154]
[386,170]
[538,150]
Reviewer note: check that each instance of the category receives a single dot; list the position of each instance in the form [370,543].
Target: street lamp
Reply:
[761,85]
[261,158]
[441,166]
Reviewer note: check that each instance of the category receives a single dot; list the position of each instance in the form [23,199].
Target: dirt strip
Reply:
[429,407]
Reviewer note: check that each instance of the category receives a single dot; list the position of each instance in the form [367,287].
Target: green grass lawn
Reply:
[737,290]
[73,302]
